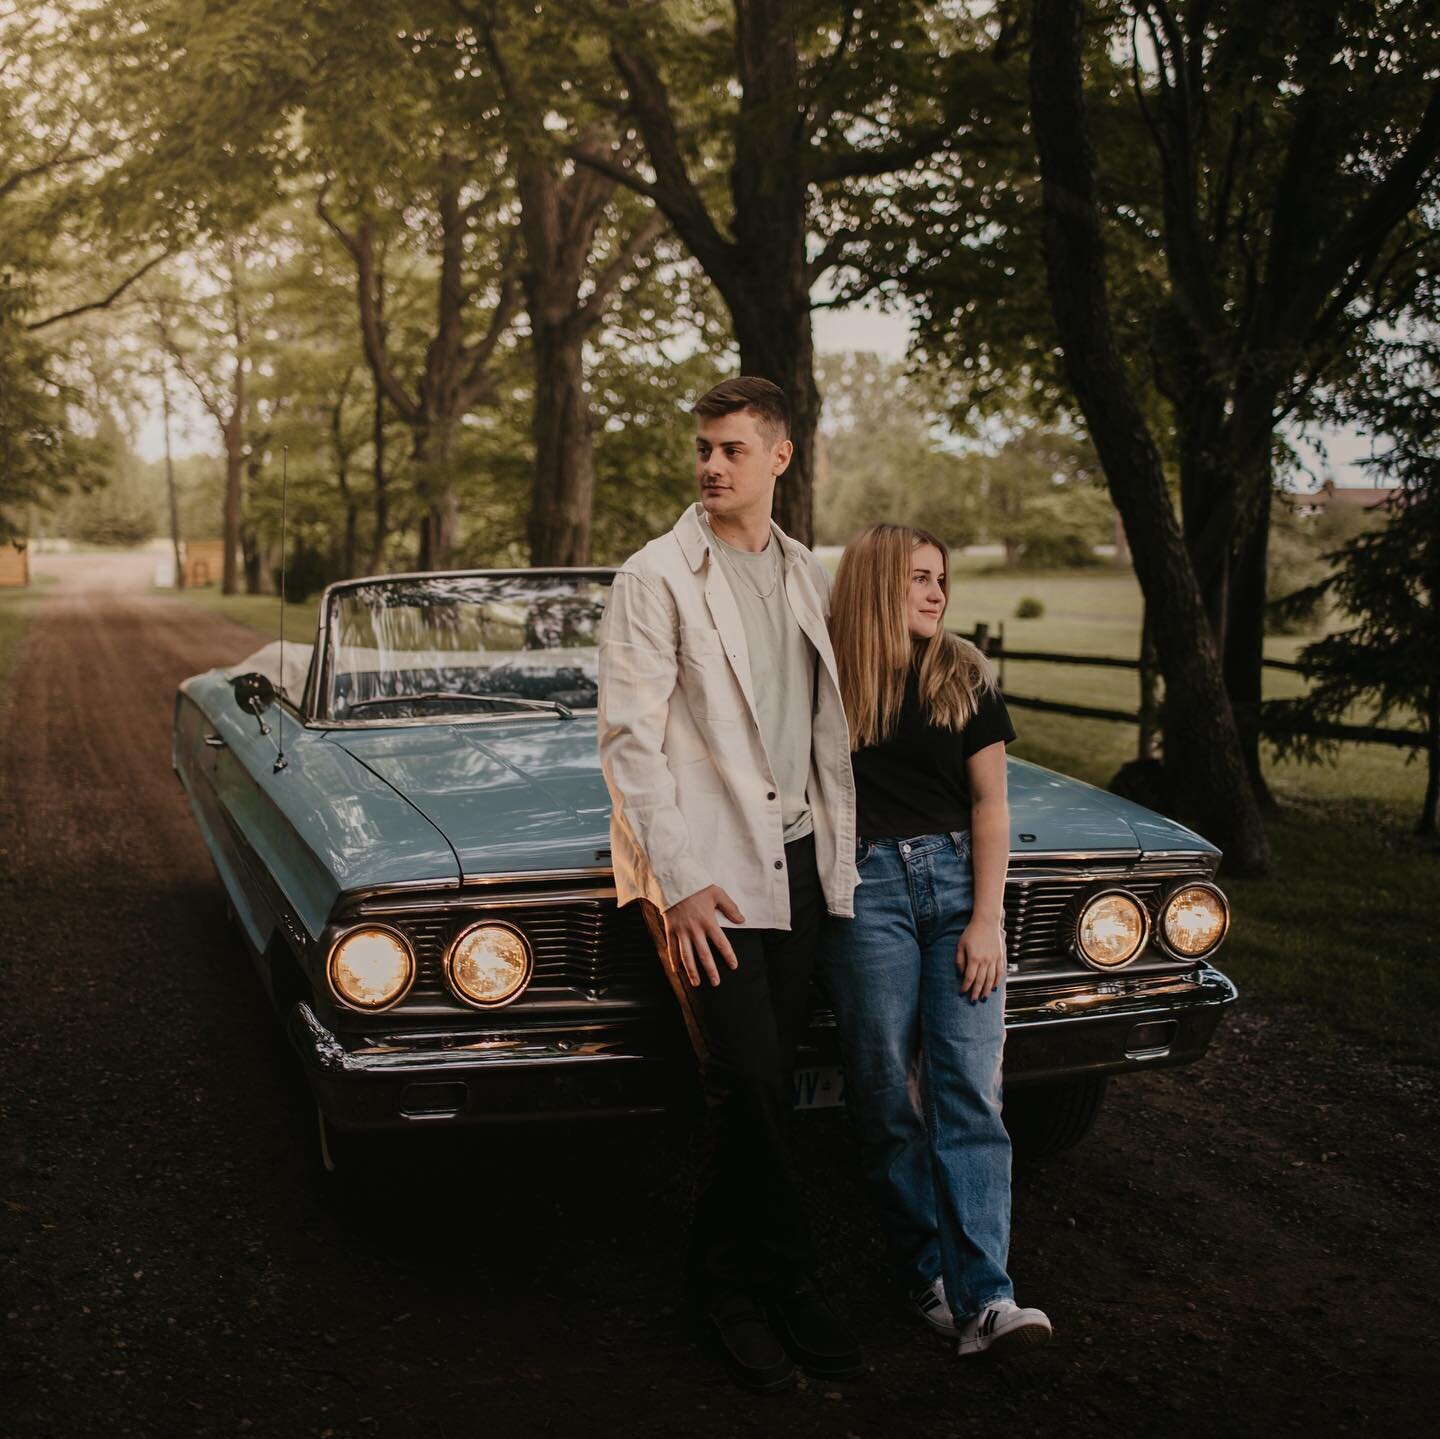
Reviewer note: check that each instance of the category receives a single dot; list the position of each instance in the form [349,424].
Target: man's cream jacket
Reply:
[694,801]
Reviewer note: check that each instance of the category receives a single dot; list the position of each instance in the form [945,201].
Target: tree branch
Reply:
[673,191]
[823,166]
[361,246]
[104,302]
[646,234]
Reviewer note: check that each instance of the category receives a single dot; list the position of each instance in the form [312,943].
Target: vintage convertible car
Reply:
[411,827]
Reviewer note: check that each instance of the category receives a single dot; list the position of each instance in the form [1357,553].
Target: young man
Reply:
[724,744]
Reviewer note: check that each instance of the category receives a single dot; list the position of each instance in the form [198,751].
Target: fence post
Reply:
[1149,691]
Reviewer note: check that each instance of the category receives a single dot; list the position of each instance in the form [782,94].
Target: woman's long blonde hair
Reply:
[873,646]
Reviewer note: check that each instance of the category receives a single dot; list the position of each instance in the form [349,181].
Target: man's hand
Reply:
[693,934]
[980,958]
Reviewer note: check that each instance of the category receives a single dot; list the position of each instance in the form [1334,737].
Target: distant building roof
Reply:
[1365,497]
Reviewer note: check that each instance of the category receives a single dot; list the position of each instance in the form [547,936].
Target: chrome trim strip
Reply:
[1107,856]
[460,891]
[504,716]
[529,876]
[472,903]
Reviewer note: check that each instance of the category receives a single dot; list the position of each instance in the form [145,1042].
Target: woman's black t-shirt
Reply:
[915,782]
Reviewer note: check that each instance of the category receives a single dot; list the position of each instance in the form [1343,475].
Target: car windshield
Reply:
[442,646]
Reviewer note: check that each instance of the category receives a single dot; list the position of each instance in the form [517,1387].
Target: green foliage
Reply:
[1029,608]
[885,457]
[1304,531]
[41,455]
[1387,581]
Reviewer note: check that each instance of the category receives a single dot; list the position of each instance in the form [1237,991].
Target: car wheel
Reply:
[1047,1118]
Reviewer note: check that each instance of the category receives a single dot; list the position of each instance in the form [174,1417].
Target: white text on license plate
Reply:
[820,1086]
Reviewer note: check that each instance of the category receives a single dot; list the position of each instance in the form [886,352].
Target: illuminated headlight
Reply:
[1111,929]
[489,964]
[1194,921]
[371,967]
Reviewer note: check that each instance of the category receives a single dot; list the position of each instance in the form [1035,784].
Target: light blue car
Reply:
[412,831]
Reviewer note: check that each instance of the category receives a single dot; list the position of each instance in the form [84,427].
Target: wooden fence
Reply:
[996,649]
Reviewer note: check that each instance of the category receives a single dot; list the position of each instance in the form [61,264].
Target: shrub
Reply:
[1029,608]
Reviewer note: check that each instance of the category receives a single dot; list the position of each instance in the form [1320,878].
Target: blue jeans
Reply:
[922,1068]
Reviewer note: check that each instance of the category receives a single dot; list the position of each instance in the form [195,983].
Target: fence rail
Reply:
[995,648]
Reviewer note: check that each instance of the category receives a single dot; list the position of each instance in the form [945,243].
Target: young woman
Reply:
[917,977]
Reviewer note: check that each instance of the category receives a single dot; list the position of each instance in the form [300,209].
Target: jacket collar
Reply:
[694,536]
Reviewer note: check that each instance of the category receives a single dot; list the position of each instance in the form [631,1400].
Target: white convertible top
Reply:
[266,661]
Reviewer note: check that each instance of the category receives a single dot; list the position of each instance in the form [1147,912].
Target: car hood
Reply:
[530,796]
[512,797]
[1053,814]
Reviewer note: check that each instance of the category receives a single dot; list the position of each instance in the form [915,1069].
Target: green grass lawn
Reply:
[1345,927]
[260,613]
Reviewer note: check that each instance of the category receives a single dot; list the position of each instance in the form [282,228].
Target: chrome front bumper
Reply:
[1118,1023]
[1054,1031]
[592,1070]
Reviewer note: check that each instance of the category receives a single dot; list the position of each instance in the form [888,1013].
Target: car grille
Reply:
[584,949]
[588,950]
[1039,903]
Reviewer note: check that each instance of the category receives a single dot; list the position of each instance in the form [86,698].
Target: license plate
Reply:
[819,1086]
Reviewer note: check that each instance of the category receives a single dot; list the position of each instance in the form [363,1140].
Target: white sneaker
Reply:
[1002,1327]
[929,1303]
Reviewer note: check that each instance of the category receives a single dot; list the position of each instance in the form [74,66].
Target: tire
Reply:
[1044,1119]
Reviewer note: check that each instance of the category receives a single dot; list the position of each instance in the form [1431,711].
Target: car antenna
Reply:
[280,708]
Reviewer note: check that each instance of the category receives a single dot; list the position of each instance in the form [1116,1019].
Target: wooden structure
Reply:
[14,566]
[204,563]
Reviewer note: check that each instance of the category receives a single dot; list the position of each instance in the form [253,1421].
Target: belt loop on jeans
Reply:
[960,838]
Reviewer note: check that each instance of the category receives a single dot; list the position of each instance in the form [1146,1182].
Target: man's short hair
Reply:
[766,401]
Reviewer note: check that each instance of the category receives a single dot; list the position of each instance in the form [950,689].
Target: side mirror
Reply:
[254,693]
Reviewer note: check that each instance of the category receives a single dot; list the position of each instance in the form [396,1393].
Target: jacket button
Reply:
[771,795]
[779,864]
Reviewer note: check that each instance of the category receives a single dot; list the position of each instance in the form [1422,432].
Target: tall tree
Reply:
[1204,764]
[1265,174]
[207,335]
[824,93]
[579,247]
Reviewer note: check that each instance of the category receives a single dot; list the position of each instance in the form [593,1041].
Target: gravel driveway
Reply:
[1247,1246]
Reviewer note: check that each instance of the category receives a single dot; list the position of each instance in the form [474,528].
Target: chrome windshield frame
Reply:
[322,665]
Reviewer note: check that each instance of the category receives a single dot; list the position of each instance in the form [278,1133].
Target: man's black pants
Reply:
[752,1234]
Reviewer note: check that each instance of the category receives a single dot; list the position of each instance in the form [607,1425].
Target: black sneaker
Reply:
[819,1342]
[754,1356]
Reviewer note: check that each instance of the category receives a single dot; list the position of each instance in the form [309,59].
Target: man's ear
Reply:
[781,458]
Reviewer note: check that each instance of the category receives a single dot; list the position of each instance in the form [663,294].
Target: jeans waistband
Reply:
[958,840]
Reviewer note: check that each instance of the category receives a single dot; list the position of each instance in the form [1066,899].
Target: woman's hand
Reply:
[980,958]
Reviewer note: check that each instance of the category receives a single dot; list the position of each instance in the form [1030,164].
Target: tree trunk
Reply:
[1244,653]
[234,471]
[1204,767]
[1429,824]
[170,478]
[378,475]
[563,491]
[1150,707]
[772,325]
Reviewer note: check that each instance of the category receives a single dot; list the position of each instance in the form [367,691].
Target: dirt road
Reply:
[1244,1247]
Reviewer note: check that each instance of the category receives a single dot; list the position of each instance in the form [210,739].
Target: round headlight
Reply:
[489,964]
[371,967]
[1194,920]
[1111,930]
